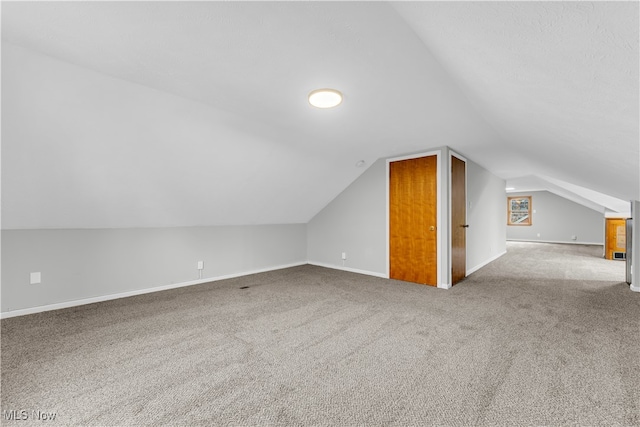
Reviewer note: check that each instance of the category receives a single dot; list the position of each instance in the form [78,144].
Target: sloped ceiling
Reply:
[129,114]
[557,80]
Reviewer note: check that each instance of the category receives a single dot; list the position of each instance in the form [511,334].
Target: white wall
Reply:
[635,246]
[486,216]
[80,264]
[557,219]
[355,223]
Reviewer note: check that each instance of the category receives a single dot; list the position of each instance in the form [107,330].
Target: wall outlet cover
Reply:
[35,278]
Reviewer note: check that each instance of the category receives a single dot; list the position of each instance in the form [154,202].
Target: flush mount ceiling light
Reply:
[360,163]
[325,98]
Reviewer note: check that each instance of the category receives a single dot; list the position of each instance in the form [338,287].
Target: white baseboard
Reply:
[570,242]
[444,286]
[482,264]
[349,269]
[635,288]
[92,300]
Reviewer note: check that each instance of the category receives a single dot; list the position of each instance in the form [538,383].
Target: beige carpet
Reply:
[546,335]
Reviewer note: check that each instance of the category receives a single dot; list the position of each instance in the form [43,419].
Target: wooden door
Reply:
[615,236]
[412,220]
[458,220]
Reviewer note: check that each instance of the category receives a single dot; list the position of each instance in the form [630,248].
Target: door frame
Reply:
[466,207]
[438,154]
[607,222]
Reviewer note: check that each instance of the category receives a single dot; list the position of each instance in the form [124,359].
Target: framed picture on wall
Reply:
[519,210]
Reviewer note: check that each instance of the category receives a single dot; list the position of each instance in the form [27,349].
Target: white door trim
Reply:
[438,154]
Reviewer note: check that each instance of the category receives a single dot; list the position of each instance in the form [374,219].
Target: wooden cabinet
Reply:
[615,238]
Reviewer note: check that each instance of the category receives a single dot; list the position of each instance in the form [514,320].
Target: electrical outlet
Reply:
[35,278]
[574,237]
[200,265]
[344,255]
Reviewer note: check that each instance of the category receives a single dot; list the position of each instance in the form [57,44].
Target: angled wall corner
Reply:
[635,248]
[353,223]
[356,222]
[486,216]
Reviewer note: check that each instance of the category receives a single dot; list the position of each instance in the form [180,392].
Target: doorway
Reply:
[615,245]
[458,219]
[413,207]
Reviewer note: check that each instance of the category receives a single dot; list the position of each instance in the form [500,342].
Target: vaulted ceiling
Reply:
[129,114]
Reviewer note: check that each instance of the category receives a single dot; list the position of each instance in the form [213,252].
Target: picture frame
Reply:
[519,210]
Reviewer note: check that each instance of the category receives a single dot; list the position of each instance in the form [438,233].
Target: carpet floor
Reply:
[545,335]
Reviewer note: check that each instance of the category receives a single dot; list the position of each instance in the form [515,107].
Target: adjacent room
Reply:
[320,213]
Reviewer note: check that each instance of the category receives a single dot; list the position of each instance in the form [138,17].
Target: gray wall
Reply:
[355,222]
[556,219]
[486,216]
[85,263]
[78,264]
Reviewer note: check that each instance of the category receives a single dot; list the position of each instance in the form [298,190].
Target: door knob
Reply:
[465,226]
[432,228]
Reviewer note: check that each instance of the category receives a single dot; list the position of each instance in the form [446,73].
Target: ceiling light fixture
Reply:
[360,163]
[509,188]
[325,98]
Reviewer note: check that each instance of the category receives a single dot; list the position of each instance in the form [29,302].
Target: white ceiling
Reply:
[559,80]
[128,114]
